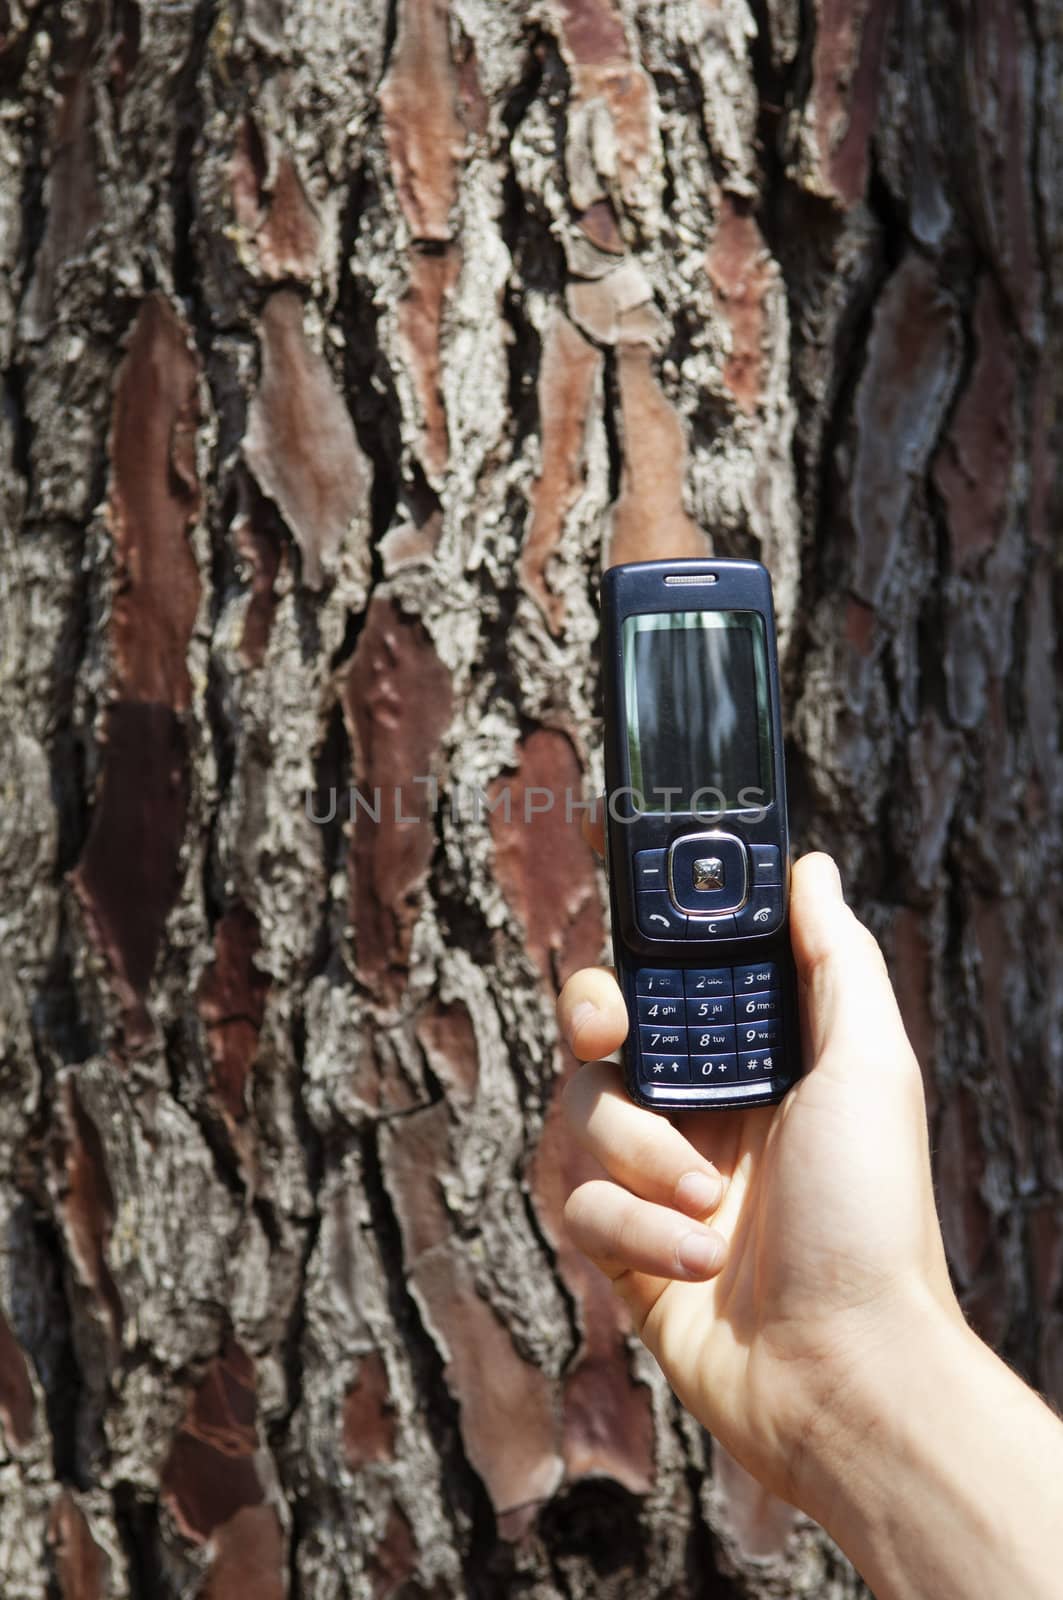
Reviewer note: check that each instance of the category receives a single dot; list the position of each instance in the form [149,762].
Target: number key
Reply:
[659,1011]
[662,1041]
[756,1007]
[655,981]
[701,983]
[721,1008]
[762,976]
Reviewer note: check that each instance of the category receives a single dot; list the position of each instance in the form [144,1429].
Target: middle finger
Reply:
[638,1148]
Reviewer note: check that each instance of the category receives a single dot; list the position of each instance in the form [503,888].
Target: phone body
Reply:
[698,844]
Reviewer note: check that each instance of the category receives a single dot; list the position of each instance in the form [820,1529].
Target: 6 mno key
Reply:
[698,841]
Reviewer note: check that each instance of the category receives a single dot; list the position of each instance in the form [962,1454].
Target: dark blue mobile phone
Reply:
[697,835]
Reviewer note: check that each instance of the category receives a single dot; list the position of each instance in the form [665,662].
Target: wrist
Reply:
[935,1468]
[872,1395]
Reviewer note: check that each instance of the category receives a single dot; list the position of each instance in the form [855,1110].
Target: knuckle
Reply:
[580,1214]
[576,1099]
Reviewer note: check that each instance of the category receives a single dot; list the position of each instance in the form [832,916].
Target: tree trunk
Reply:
[342,345]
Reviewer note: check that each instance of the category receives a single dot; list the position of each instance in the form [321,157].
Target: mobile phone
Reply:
[698,845]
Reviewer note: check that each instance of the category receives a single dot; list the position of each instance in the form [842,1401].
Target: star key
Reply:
[662,1067]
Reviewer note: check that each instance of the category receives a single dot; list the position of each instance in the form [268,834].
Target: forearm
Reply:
[944,1475]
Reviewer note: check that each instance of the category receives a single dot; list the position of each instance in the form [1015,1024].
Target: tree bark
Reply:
[342,345]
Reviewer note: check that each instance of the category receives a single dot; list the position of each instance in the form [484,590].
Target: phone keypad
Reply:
[709,1025]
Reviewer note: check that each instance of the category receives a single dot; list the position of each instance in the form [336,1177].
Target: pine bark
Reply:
[342,344]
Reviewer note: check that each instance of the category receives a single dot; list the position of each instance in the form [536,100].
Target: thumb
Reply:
[849,1010]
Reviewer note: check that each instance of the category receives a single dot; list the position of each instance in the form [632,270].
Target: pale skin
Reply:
[785,1266]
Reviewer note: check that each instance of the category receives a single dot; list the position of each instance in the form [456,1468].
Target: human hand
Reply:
[824,1249]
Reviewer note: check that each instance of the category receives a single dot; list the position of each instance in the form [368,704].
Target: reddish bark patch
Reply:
[1042,457]
[278,216]
[999,957]
[542,862]
[210,1473]
[87,1204]
[154,500]
[911,967]
[598,223]
[846,72]
[960,1170]
[546,871]
[127,878]
[73,201]
[607,1419]
[81,1568]
[398,702]
[418,1160]
[382,1084]
[628,94]
[410,542]
[16,1391]
[1003,103]
[250,1558]
[247,175]
[1052,1359]
[472,102]
[936,762]
[368,1415]
[290,239]
[740,270]
[420,318]
[593,32]
[232,1004]
[568,380]
[859,627]
[261,548]
[124,52]
[300,441]
[649,522]
[595,46]
[448,1039]
[1042,718]
[974,467]
[901,397]
[1046,1252]
[394,1560]
[505,1402]
[422,127]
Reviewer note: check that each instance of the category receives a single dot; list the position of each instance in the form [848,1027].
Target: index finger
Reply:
[591,1013]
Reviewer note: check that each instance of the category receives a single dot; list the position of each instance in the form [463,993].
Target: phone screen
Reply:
[698,713]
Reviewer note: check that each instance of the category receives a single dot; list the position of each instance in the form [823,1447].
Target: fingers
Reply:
[622,1234]
[638,1148]
[847,998]
[591,1013]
